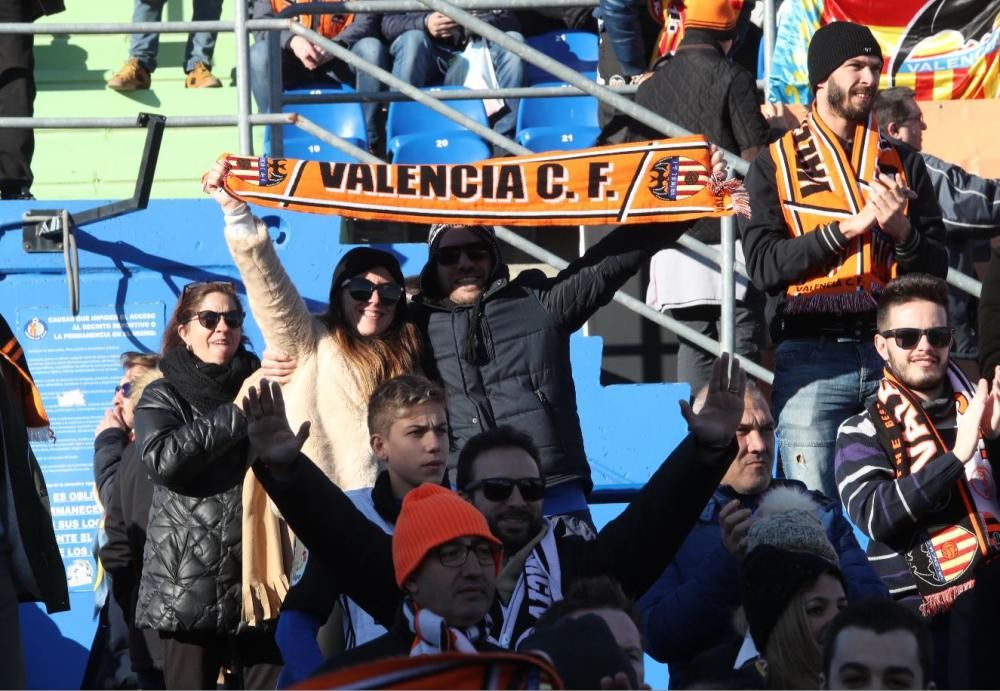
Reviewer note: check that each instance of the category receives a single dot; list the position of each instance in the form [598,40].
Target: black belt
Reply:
[860,327]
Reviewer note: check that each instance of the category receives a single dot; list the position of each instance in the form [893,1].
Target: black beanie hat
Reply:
[583,650]
[836,43]
[769,578]
[361,259]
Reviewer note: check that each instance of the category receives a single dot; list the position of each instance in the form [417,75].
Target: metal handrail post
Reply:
[413,92]
[965,282]
[557,69]
[769,39]
[727,321]
[700,249]
[243,78]
[275,85]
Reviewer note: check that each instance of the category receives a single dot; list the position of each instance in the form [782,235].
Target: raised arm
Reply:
[354,549]
[276,305]
[636,546]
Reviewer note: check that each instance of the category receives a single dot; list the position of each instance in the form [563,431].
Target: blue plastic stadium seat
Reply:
[575,49]
[555,123]
[346,120]
[410,117]
[448,146]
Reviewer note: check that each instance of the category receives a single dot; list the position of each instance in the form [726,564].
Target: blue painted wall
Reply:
[131,271]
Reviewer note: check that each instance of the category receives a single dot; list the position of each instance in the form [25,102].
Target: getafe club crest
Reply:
[35,329]
[677,177]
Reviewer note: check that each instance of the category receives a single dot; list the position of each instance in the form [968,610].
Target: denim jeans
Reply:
[819,383]
[200,46]
[293,72]
[420,61]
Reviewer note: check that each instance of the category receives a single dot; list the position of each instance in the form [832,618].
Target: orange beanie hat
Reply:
[431,516]
[714,15]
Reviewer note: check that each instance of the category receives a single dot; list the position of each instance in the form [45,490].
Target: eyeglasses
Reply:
[907,339]
[361,289]
[457,553]
[210,319]
[500,488]
[449,256]
[126,389]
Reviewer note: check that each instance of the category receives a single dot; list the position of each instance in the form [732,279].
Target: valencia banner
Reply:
[642,182]
[942,49]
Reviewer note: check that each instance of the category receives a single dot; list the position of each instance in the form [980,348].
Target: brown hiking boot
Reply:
[201,78]
[130,77]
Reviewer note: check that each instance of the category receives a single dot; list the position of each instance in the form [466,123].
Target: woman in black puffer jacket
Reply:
[192,440]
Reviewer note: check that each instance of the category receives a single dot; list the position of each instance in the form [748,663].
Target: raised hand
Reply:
[112,419]
[967,436]
[211,184]
[270,434]
[715,425]
[277,366]
[990,424]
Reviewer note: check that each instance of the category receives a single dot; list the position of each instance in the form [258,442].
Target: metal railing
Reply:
[456,9]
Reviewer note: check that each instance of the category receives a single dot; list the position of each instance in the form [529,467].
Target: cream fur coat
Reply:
[323,388]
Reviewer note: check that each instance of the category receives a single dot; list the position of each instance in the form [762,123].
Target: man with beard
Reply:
[689,610]
[914,468]
[500,474]
[500,344]
[837,212]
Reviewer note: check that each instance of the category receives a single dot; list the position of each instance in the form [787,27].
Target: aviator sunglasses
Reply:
[907,339]
[449,256]
[210,319]
[500,488]
[361,289]
[125,388]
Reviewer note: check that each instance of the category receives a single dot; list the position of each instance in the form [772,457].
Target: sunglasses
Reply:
[210,319]
[125,388]
[500,488]
[226,286]
[361,289]
[907,339]
[449,256]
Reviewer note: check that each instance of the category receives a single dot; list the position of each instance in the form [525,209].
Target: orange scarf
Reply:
[35,418]
[818,184]
[658,181]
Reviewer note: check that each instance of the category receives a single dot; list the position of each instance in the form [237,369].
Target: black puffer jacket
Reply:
[523,376]
[191,563]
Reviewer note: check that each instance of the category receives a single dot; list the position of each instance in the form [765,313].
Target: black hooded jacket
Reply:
[521,373]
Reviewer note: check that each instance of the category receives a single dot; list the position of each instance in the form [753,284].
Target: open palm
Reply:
[267,426]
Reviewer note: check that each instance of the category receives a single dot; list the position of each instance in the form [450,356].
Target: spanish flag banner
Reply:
[942,49]
[664,180]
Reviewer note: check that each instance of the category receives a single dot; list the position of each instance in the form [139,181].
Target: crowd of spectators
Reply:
[405,475]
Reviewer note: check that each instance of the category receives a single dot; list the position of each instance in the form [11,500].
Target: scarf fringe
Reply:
[850,303]
[735,190]
[41,434]
[941,602]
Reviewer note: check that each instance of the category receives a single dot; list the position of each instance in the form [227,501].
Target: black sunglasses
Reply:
[217,284]
[125,388]
[907,339]
[361,289]
[476,251]
[210,319]
[500,488]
